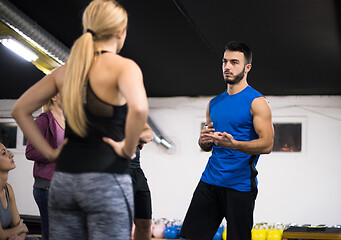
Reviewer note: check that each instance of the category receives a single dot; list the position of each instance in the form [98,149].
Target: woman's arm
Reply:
[30,101]
[147,134]
[32,153]
[18,227]
[130,85]
[205,140]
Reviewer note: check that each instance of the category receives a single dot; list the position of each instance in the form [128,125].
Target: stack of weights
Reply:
[260,231]
[172,230]
[158,228]
[264,231]
[275,231]
[225,234]
[164,228]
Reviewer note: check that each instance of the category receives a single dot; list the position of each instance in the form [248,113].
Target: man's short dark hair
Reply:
[235,46]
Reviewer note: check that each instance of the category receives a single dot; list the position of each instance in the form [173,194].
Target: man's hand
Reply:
[224,140]
[205,139]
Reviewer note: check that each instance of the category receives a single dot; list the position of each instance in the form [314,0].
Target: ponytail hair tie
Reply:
[91,32]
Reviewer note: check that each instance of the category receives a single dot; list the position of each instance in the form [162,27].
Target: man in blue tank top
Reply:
[238,129]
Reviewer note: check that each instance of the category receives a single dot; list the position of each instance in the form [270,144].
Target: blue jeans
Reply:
[31,238]
[41,198]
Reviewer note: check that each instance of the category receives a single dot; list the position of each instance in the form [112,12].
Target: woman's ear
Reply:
[122,33]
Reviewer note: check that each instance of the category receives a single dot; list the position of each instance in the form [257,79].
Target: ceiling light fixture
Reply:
[37,45]
[19,49]
[35,35]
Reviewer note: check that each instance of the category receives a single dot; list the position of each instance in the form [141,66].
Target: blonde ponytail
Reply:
[77,69]
[102,19]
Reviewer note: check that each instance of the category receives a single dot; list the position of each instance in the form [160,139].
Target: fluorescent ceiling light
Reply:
[19,49]
[37,45]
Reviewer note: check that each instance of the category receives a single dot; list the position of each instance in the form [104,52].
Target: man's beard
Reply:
[236,79]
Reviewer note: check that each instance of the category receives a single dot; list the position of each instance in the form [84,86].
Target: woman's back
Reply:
[104,76]
[104,119]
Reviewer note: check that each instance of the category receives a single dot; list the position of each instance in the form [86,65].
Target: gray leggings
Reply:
[90,206]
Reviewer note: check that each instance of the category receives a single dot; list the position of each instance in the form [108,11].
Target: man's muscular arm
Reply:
[205,139]
[262,122]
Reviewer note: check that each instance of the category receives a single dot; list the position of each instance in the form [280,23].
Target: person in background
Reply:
[238,129]
[142,197]
[51,123]
[11,226]
[106,108]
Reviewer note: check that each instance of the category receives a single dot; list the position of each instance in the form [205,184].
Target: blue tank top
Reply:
[226,167]
[6,214]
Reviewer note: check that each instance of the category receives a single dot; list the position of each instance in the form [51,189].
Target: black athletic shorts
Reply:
[210,204]
[142,197]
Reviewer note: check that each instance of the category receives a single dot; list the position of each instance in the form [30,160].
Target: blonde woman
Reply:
[51,123]
[105,107]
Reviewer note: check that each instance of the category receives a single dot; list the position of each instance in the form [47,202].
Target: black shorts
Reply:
[210,204]
[142,197]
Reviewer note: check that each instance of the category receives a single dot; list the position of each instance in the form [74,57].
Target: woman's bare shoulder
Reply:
[10,191]
[58,75]
[124,62]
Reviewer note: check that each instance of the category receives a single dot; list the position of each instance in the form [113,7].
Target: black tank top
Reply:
[91,153]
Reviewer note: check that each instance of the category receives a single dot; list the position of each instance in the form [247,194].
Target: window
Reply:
[8,134]
[11,135]
[288,137]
